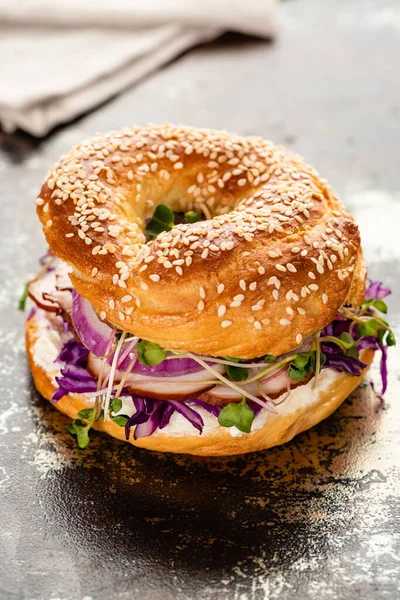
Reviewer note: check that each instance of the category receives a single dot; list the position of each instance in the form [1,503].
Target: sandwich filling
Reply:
[138,384]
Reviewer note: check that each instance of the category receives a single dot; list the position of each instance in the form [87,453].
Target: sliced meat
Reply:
[161,388]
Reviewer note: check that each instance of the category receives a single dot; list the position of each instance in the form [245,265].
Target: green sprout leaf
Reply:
[353,352]
[116,405]
[369,327]
[23,297]
[303,363]
[269,358]
[237,415]
[302,360]
[81,429]
[380,305]
[298,374]
[86,413]
[120,420]
[347,339]
[237,373]
[192,216]
[150,353]
[162,220]
[390,338]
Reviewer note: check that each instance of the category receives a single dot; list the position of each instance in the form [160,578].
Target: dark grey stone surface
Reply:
[316,518]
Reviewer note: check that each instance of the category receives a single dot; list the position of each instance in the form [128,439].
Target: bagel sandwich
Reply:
[203,293]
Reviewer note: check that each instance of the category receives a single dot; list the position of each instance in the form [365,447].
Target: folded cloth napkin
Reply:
[61,58]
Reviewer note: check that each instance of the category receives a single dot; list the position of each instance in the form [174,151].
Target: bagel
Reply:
[276,261]
[245,326]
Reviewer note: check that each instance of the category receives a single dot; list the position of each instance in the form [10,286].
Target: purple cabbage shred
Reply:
[377,291]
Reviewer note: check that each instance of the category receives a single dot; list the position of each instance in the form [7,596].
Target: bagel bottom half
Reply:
[277,429]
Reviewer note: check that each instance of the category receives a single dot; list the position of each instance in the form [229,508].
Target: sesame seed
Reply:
[311,275]
[324,298]
[261,270]
[257,325]
[221,310]
[226,324]
[313,287]
[200,305]
[284,322]
[280,268]
[95,270]
[242,284]
[291,268]
[111,304]
[154,277]
[299,338]
[275,294]
[220,288]
[202,292]
[103,315]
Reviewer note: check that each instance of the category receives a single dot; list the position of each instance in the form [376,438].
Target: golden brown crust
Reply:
[278,429]
[274,264]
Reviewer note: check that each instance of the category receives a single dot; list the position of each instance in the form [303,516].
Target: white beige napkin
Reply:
[60,58]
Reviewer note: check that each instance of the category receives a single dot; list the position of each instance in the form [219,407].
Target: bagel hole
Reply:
[153,226]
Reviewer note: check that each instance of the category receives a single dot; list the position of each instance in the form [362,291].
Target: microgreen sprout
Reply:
[162,220]
[150,353]
[237,414]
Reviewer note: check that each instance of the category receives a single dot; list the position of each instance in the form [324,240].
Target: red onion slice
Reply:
[93,333]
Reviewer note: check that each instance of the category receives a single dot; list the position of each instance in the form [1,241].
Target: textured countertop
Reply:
[316,518]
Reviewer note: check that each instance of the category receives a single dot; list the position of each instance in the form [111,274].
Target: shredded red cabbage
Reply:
[377,291]
[155,414]
[73,353]
[214,410]
[337,359]
[74,376]
[166,416]
[338,326]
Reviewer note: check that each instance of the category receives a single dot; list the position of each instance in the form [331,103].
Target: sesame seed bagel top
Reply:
[275,259]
